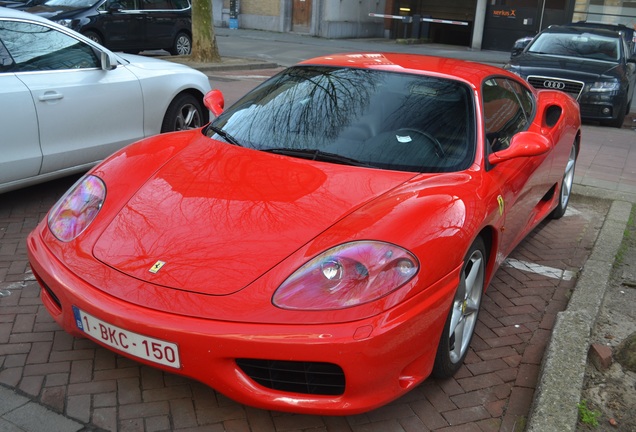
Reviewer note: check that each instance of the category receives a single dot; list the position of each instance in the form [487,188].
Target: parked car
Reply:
[629,34]
[595,66]
[126,25]
[20,4]
[322,245]
[68,103]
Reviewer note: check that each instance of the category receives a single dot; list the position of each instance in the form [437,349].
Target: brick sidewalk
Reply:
[98,388]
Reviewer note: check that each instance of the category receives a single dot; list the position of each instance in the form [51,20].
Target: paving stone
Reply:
[600,356]
[105,418]
[466,415]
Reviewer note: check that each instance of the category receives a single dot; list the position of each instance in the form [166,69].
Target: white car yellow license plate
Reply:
[151,349]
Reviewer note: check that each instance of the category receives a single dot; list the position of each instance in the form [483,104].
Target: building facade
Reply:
[480,24]
[324,18]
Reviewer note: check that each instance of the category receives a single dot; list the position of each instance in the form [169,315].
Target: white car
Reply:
[67,102]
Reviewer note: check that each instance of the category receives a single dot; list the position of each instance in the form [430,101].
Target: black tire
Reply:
[94,37]
[184,112]
[566,185]
[182,45]
[462,318]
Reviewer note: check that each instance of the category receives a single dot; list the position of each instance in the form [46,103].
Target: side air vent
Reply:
[552,115]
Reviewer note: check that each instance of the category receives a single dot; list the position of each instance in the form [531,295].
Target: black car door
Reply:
[122,23]
[162,17]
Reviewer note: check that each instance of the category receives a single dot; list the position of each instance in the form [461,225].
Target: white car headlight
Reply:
[65,22]
[605,86]
[79,206]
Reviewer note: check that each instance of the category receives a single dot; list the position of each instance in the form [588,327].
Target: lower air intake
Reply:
[297,377]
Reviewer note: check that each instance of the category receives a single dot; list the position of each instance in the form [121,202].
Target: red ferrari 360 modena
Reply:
[322,246]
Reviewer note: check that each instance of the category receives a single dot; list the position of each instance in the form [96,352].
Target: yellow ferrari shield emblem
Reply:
[157,266]
[500,200]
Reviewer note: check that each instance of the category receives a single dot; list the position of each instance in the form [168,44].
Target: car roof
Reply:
[16,13]
[462,70]
[573,28]
[607,26]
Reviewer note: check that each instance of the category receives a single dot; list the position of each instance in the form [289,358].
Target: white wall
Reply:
[349,19]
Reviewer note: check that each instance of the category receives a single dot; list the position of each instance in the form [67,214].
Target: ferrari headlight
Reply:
[75,211]
[348,275]
[605,86]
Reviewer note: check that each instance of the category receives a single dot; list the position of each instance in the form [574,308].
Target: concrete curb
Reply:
[611,195]
[563,370]
[226,64]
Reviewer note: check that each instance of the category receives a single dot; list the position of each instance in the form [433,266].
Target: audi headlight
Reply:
[65,22]
[348,275]
[75,211]
[605,86]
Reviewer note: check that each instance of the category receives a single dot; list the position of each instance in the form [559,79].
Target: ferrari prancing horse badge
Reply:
[157,266]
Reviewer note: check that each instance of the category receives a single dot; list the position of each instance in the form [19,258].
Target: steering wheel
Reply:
[439,151]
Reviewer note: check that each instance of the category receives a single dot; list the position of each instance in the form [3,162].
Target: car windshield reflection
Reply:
[589,46]
[371,118]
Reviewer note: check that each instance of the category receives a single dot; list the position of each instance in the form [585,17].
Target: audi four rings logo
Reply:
[557,85]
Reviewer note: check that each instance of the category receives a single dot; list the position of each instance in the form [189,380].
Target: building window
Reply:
[606,11]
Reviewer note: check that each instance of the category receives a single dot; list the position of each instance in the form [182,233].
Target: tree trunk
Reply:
[204,47]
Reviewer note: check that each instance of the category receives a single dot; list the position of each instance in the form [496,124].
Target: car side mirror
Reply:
[519,46]
[214,101]
[523,144]
[107,62]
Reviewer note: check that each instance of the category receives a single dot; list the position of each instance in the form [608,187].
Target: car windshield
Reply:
[72,3]
[359,117]
[583,45]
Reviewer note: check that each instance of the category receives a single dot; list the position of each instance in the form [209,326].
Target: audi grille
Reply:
[571,87]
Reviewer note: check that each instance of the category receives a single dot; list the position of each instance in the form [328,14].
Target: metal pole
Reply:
[541,18]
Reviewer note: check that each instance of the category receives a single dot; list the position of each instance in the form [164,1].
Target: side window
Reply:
[6,62]
[526,99]
[120,5]
[181,4]
[158,5]
[129,4]
[35,47]
[504,111]
[626,49]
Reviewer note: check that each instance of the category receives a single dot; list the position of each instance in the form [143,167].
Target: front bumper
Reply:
[602,106]
[597,106]
[380,358]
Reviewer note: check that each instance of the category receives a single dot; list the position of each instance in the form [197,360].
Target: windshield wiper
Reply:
[226,136]
[317,155]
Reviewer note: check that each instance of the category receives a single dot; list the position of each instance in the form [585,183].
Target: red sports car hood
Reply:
[219,216]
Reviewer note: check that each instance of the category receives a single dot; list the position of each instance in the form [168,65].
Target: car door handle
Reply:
[50,95]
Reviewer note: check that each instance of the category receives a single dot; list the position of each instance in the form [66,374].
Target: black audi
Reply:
[595,66]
